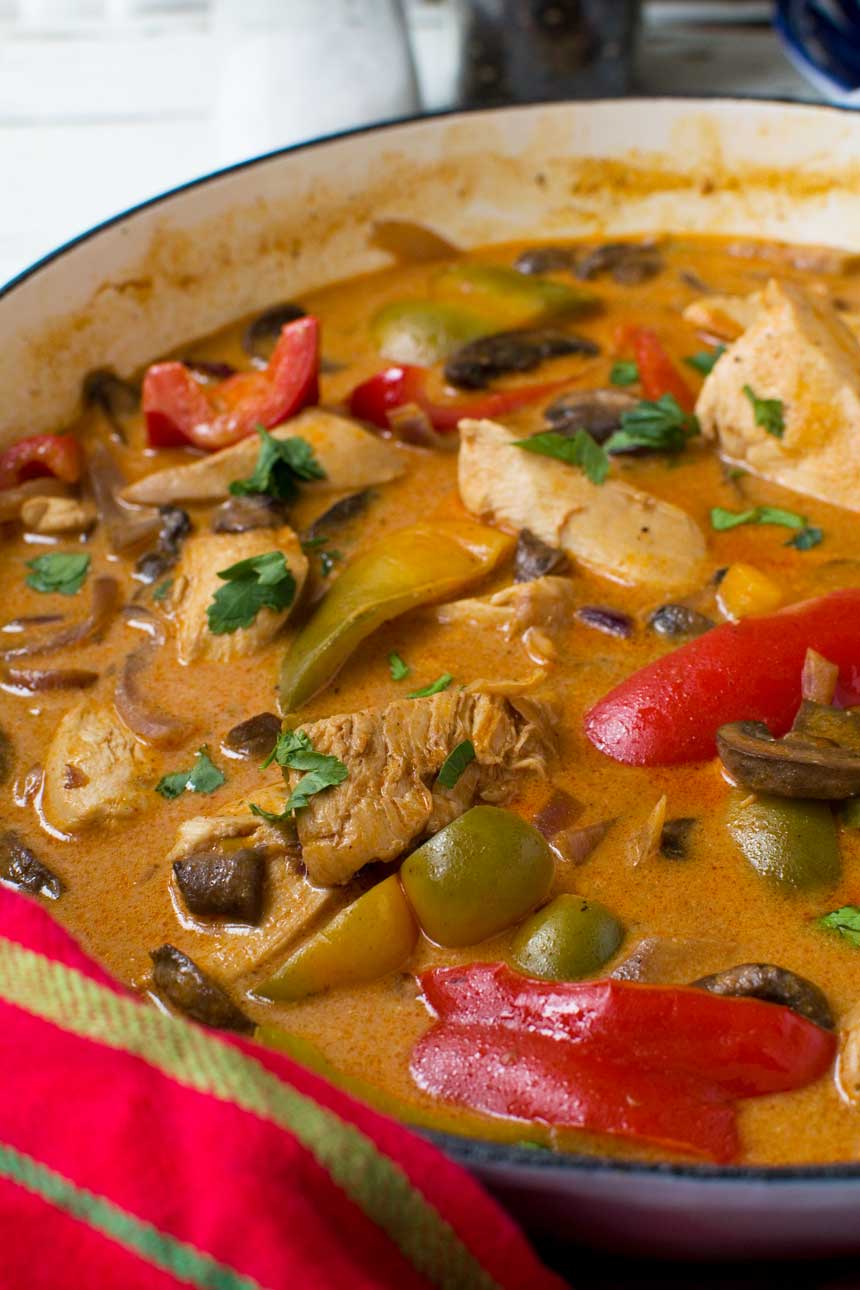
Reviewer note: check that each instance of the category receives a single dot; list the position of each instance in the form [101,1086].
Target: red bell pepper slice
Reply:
[394,387]
[671,710]
[179,410]
[658,375]
[57,455]
[652,1063]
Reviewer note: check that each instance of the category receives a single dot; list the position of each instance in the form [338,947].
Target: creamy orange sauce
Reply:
[118,898]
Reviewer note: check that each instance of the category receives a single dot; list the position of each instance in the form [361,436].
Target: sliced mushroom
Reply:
[597,411]
[772,985]
[256,511]
[795,766]
[117,399]
[261,334]
[546,259]
[20,867]
[675,838]
[627,263]
[836,725]
[255,737]
[674,620]
[184,985]
[342,512]
[474,365]
[175,527]
[223,884]
[535,558]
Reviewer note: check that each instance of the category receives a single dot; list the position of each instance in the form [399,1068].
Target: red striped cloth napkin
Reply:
[142,1152]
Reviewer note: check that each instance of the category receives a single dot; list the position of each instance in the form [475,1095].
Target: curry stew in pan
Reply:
[449,678]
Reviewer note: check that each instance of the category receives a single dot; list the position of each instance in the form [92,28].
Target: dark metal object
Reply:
[525,51]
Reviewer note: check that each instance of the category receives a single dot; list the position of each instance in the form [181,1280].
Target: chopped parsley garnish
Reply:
[282,465]
[768,413]
[435,687]
[294,751]
[455,763]
[624,372]
[705,360]
[721,519]
[845,921]
[807,538]
[203,777]
[577,450]
[399,670]
[62,572]
[314,543]
[658,425]
[161,591]
[261,582]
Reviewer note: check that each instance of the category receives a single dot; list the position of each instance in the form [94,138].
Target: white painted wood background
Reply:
[106,102]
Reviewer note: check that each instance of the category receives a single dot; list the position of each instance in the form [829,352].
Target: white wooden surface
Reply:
[106,102]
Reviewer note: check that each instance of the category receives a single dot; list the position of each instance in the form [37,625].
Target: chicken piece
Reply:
[57,515]
[808,259]
[350,456]
[393,755]
[196,581]
[292,905]
[95,770]
[801,354]
[612,528]
[848,1067]
[531,610]
[723,317]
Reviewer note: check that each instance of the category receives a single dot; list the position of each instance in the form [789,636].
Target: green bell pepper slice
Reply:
[478,876]
[511,299]
[568,939]
[423,332]
[790,842]
[401,571]
[373,936]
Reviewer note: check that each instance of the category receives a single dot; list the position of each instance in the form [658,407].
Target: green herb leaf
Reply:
[399,669]
[807,538]
[314,543]
[845,921]
[263,581]
[768,413]
[577,450]
[455,763]
[435,687]
[624,372]
[62,572]
[282,465]
[705,360]
[658,425]
[721,519]
[161,591]
[294,751]
[203,777]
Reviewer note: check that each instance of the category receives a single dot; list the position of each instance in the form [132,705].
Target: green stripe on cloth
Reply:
[197,1060]
[176,1257]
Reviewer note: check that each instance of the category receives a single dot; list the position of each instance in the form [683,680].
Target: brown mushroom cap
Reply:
[772,985]
[800,765]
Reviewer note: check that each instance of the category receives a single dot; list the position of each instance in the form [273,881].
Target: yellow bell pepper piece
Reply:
[403,570]
[373,936]
[745,591]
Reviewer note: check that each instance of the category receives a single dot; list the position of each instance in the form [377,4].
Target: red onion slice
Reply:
[102,609]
